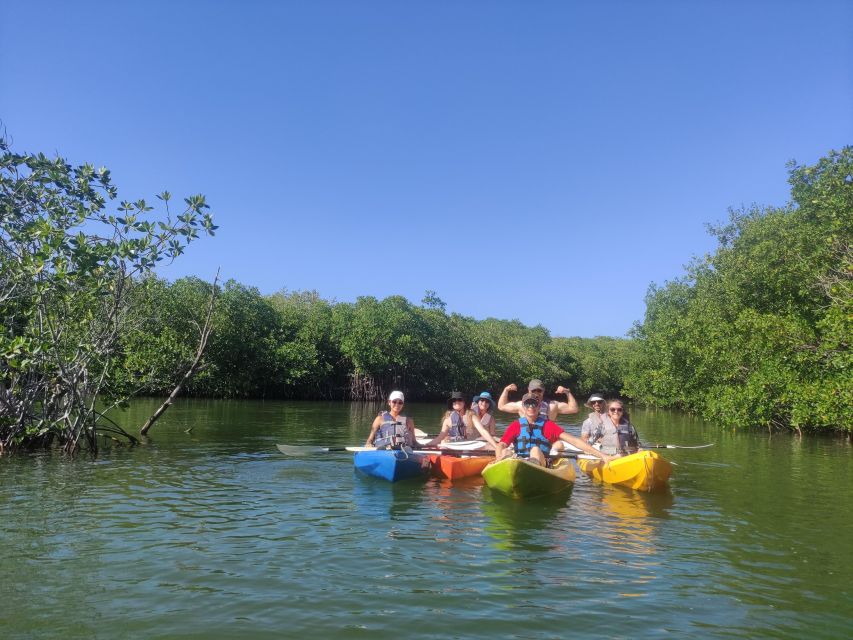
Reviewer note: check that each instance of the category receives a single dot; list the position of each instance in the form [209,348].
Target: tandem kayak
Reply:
[520,478]
[455,467]
[643,471]
[392,464]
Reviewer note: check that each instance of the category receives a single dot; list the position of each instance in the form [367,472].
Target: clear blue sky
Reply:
[515,157]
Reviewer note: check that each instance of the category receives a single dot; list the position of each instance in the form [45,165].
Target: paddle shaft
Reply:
[305,450]
[676,446]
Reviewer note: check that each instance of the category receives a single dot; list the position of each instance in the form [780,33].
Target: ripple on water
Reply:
[189,538]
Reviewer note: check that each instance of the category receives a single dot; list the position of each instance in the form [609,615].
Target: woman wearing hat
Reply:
[617,436]
[391,429]
[483,406]
[595,420]
[459,424]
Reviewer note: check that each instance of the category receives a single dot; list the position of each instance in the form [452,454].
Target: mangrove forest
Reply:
[754,335]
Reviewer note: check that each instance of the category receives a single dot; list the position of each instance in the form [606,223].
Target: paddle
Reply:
[570,454]
[296,450]
[676,446]
[451,453]
[308,450]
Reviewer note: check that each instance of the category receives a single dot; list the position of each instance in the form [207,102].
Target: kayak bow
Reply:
[392,464]
[643,471]
[521,478]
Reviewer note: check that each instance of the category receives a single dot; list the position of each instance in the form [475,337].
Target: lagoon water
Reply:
[215,534]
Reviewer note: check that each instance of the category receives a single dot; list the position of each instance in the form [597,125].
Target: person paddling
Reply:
[391,429]
[549,410]
[532,435]
[616,435]
[595,420]
[459,424]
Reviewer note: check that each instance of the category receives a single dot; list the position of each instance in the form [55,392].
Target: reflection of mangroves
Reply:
[514,523]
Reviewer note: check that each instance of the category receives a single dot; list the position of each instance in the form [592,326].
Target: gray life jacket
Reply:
[627,440]
[457,427]
[391,434]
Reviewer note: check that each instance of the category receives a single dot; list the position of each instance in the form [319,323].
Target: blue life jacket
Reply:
[391,433]
[457,427]
[531,437]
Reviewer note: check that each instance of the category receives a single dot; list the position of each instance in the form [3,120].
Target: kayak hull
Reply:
[458,467]
[392,465]
[642,471]
[520,478]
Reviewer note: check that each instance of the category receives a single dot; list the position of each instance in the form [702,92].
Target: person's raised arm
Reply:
[571,405]
[503,402]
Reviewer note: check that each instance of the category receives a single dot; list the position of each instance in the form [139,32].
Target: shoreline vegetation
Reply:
[754,335]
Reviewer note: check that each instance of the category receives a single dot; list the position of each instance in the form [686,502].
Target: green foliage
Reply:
[758,334]
[67,267]
[297,345]
[597,364]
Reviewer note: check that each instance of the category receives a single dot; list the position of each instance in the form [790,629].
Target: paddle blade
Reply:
[297,450]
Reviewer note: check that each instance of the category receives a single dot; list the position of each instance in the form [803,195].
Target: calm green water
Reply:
[214,534]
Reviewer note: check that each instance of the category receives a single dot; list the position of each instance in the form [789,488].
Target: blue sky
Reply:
[544,161]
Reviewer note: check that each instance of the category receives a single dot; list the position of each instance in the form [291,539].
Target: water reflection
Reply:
[518,524]
[633,519]
[380,498]
[197,534]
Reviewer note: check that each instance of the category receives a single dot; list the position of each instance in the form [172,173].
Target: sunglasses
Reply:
[396,402]
[616,410]
[597,402]
[531,404]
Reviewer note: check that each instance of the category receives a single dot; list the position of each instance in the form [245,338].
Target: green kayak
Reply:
[520,478]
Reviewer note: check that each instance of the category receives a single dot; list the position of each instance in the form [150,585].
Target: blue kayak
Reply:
[392,464]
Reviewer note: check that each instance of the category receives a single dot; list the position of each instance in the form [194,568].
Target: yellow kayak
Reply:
[643,471]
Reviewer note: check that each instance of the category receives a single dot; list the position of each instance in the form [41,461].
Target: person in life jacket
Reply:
[616,435]
[483,406]
[595,420]
[459,424]
[533,436]
[549,410]
[391,429]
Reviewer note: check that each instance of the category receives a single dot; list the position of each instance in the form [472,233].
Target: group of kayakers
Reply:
[534,435]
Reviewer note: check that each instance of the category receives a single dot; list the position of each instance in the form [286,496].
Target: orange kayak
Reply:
[456,467]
